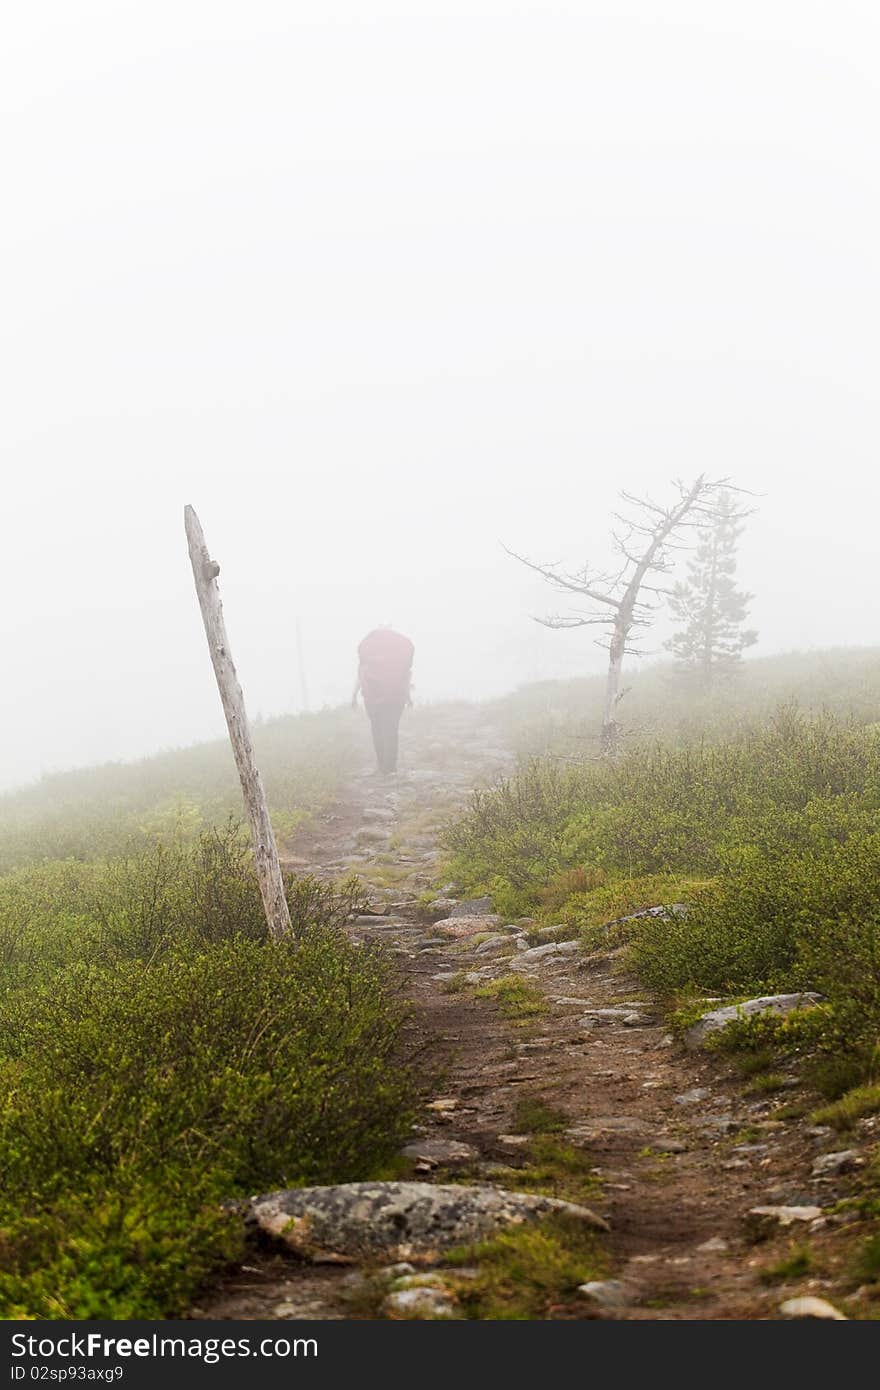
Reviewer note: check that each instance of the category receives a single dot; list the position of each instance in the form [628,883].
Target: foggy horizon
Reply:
[378,296]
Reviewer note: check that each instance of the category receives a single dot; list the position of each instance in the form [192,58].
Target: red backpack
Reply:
[385,662]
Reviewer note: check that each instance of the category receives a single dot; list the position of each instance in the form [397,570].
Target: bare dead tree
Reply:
[205,571]
[644,537]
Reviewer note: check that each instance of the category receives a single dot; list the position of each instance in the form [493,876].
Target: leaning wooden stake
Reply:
[205,571]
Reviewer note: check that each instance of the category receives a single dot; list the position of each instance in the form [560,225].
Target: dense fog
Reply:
[377,294]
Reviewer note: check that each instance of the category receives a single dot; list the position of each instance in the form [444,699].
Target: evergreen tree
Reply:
[708,605]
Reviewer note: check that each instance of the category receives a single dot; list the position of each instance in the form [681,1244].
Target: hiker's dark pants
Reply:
[385,721]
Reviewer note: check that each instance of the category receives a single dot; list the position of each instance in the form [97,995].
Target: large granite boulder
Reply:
[398,1220]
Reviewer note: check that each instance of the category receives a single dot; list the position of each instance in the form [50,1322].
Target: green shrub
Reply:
[771,837]
[143,900]
[159,1056]
[187,1079]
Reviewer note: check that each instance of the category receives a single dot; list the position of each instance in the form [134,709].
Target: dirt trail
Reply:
[682,1153]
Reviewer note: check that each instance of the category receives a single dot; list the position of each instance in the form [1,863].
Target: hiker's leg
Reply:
[392,735]
[377,726]
[388,757]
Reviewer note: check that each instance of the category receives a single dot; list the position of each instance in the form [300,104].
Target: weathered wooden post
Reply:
[301,662]
[205,571]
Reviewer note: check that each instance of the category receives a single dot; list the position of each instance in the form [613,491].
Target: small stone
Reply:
[443,1103]
[715,1245]
[668,1146]
[397,1271]
[606,1016]
[436,1152]
[420,1303]
[829,1165]
[553,948]
[492,944]
[763,1220]
[607,1293]
[716,1125]
[694,1096]
[810,1308]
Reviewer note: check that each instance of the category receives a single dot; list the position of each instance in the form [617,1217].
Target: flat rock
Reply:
[713,1126]
[420,1302]
[763,1220]
[719,1019]
[827,1165]
[494,943]
[466,926]
[608,1124]
[610,1015]
[810,1308]
[716,1245]
[473,907]
[552,948]
[440,1152]
[607,1293]
[694,1096]
[397,1220]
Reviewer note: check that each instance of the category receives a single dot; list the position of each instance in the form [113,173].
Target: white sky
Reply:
[376,286]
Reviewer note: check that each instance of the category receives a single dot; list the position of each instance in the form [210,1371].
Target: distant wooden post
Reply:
[205,571]
[301,662]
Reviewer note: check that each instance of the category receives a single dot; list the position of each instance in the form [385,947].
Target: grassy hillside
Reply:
[660,704]
[95,811]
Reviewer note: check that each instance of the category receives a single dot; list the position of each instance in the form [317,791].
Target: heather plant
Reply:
[159,1056]
[770,838]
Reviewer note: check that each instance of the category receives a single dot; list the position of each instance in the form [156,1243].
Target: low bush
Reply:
[771,838]
[158,1057]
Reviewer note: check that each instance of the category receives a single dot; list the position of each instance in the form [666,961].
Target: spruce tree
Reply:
[709,607]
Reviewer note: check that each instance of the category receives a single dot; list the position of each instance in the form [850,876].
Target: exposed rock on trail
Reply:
[398,1220]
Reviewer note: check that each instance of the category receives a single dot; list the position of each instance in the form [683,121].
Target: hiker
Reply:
[385,662]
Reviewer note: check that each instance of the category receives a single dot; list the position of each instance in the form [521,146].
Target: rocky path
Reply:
[681,1153]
